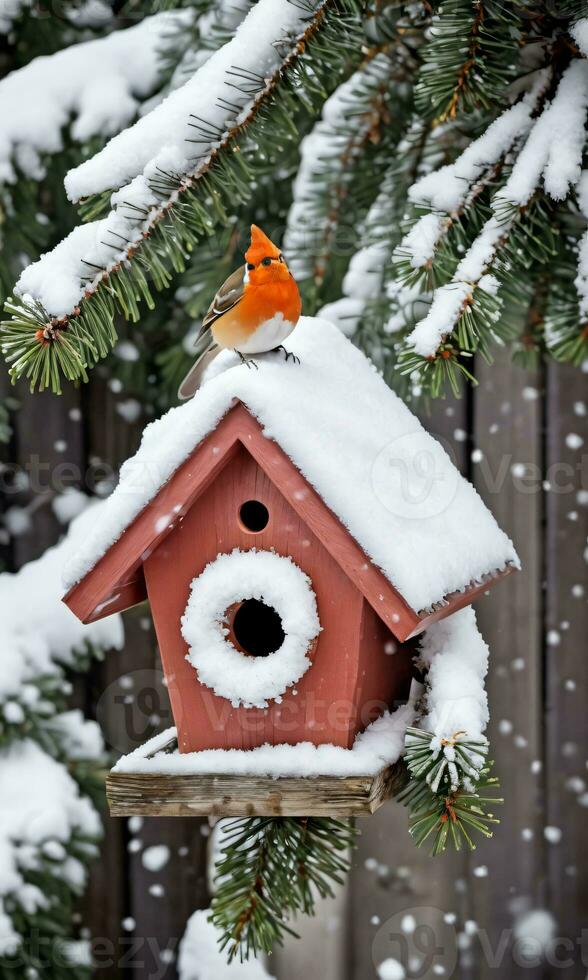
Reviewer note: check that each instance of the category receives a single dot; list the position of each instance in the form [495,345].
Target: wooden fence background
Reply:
[510,436]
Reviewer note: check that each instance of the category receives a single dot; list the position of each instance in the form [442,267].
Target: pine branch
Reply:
[271,869]
[469,60]
[344,160]
[565,321]
[376,317]
[212,26]
[49,924]
[465,313]
[31,209]
[23,716]
[447,793]
[524,237]
[191,206]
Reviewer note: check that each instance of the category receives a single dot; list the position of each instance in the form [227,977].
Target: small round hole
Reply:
[254,515]
[257,628]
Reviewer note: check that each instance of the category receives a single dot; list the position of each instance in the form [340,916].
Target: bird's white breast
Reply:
[269,334]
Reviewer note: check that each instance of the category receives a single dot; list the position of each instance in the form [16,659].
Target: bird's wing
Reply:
[193,379]
[229,294]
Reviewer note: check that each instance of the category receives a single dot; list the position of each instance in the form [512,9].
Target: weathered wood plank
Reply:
[228,795]
[321,949]
[167,882]
[566,630]
[107,903]
[48,443]
[507,472]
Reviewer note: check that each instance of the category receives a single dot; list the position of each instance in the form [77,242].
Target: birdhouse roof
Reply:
[389,483]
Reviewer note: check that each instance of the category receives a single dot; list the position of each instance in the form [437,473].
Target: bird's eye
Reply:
[266,261]
[250,266]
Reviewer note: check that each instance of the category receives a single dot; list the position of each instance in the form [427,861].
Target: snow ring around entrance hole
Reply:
[278,583]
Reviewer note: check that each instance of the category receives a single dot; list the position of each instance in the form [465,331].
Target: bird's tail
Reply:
[193,379]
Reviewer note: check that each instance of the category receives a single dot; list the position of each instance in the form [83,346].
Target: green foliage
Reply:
[567,340]
[40,700]
[448,792]
[452,68]
[343,172]
[45,349]
[271,869]
[470,58]
[44,952]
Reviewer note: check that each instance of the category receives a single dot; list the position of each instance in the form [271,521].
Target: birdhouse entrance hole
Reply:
[253,516]
[256,629]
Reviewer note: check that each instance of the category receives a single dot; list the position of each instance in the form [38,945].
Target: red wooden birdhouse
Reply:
[292,528]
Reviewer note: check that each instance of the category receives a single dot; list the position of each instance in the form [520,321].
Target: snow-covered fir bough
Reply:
[431,208]
[49,826]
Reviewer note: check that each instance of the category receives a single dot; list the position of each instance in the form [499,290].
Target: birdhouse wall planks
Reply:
[278,526]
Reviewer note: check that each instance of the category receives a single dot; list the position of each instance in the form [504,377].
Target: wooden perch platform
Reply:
[230,795]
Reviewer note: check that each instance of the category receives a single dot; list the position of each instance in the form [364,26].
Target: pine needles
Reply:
[470,58]
[444,73]
[271,869]
[449,790]
[44,349]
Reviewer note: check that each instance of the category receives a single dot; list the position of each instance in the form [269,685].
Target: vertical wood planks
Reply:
[109,440]
[507,464]
[392,882]
[154,921]
[49,449]
[321,951]
[566,633]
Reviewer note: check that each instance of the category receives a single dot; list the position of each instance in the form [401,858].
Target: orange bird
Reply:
[254,311]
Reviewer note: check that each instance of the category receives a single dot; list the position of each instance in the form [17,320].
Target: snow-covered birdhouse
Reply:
[292,527]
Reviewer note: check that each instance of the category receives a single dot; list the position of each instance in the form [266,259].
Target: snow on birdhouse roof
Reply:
[390,483]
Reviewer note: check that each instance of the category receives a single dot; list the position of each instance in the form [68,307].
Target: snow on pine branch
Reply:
[253,51]
[160,144]
[327,155]
[48,830]
[579,33]
[10,11]
[212,29]
[450,299]
[555,144]
[456,657]
[89,13]
[448,190]
[38,633]
[364,278]
[46,827]
[448,748]
[95,86]
[553,151]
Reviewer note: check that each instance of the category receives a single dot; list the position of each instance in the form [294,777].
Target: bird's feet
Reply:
[288,354]
[247,360]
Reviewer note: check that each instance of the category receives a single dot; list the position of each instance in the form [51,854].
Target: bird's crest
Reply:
[260,247]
